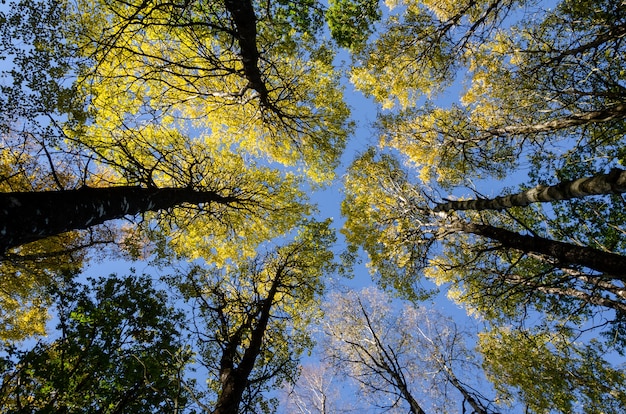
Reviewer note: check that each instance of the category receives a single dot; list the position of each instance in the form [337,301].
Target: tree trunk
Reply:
[235,379]
[467,396]
[29,216]
[244,18]
[612,113]
[233,385]
[612,183]
[413,404]
[610,263]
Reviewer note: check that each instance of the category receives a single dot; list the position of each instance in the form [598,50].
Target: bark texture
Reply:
[568,254]
[612,183]
[29,216]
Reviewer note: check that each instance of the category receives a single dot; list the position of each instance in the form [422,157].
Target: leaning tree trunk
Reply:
[29,216]
[568,254]
[612,183]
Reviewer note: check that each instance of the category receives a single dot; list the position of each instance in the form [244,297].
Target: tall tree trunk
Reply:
[244,18]
[568,254]
[612,183]
[29,216]
[235,379]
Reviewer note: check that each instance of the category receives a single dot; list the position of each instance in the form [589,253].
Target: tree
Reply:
[118,349]
[147,101]
[523,364]
[502,275]
[26,279]
[158,112]
[527,86]
[318,390]
[250,319]
[544,99]
[402,357]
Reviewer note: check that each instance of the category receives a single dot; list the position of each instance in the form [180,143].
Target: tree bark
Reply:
[612,183]
[604,262]
[612,113]
[29,216]
[244,18]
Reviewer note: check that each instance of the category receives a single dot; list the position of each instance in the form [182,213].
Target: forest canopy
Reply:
[200,140]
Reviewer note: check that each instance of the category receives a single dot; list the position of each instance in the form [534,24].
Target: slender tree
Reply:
[252,319]
[403,358]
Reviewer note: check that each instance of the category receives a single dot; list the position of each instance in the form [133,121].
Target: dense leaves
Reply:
[118,350]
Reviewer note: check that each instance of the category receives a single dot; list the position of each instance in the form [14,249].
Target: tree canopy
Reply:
[194,136]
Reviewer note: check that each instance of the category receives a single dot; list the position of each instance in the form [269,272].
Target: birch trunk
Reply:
[612,183]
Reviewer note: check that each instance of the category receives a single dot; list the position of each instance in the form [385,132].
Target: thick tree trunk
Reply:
[567,254]
[29,216]
[242,13]
[233,385]
[612,183]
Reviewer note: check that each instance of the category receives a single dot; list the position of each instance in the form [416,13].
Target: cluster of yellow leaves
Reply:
[172,107]
[181,77]
[386,221]
[416,54]
[527,363]
[24,279]
[25,273]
